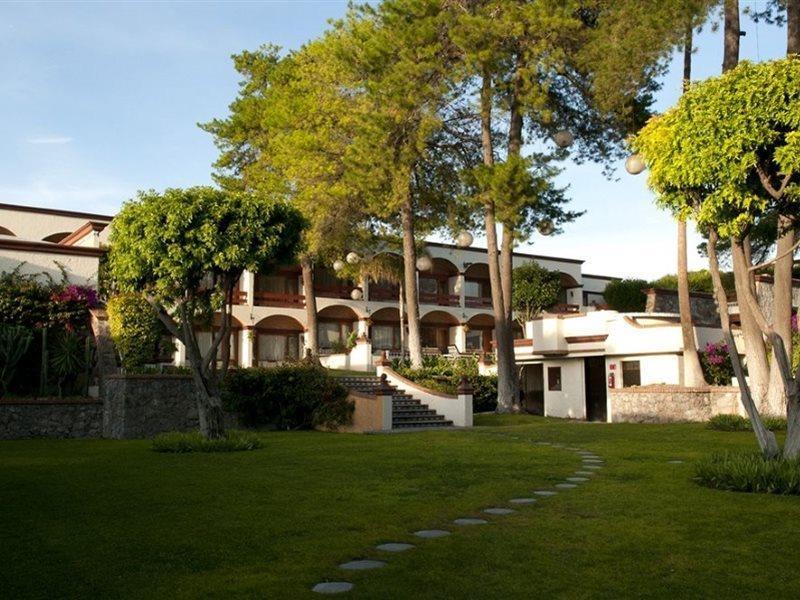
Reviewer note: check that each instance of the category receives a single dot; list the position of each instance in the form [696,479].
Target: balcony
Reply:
[279,299]
[439,299]
[383,293]
[477,302]
[334,291]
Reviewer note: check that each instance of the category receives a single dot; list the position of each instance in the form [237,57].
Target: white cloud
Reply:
[49,139]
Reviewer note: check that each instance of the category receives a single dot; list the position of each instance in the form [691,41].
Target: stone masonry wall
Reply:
[51,418]
[141,406]
[704,309]
[671,403]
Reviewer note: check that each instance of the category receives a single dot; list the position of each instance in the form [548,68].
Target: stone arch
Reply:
[55,238]
[277,339]
[335,323]
[8,232]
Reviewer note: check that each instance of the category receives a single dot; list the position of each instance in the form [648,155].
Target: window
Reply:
[472,289]
[385,337]
[554,379]
[475,339]
[631,373]
[331,332]
[275,347]
[428,285]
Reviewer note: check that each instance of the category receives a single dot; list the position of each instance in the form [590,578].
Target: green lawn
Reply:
[114,519]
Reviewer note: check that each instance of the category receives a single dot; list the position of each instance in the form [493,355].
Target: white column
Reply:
[362,328]
[462,294]
[249,286]
[180,354]
[461,338]
[247,347]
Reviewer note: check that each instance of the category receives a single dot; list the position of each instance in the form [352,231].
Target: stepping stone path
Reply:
[470,521]
[675,462]
[394,547]
[591,463]
[431,533]
[499,511]
[332,587]
[362,565]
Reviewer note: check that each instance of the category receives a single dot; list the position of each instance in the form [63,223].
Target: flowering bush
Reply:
[716,364]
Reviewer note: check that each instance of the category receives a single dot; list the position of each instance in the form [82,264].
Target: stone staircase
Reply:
[407,411]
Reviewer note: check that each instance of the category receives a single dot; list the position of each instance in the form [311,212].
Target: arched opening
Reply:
[276,340]
[438,285]
[385,330]
[569,295]
[8,232]
[205,335]
[477,289]
[480,333]
[55,238]
[334,326]
[386,267]
[437,331]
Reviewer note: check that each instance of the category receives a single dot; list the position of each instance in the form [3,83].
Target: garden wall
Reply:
[50,418]
[671,403]
[141,406]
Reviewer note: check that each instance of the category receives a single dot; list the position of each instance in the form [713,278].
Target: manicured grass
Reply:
[115,519]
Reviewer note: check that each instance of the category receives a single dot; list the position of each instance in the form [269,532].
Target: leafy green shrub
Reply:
[626,295]
[136,330]
[180,443]
[729,423]
[444,375]
[716,364]
[749,473]
[739,423]
[14,343]
[292,396]
[699,281]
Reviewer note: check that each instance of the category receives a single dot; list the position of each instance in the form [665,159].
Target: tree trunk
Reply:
[506,400]
[401,311]
[209,403]
[792,26]
[692,372]
[766,439]
[757,366]
[312,330]
[732,33]
[410,284]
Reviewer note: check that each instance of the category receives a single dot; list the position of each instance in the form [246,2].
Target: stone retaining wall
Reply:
[50,418]
[671,403]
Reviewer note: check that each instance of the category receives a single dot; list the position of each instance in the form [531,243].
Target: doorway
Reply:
[594,371]
[533,389]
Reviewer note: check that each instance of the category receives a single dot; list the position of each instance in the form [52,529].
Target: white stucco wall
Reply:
[570,401]
[81,270]
[38,225]
[654,368]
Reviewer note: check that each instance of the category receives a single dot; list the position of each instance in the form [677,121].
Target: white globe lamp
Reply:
[338,265]
[634,164]
[356,294]
[545,227]
[352,258]
[563,138]
[424,263]
[464,239]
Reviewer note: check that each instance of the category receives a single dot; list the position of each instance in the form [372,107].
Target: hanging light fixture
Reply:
[545,227]
[464,239]
[563,138]
[352,258]
[634,164]
[356,294]
[338,265]
[424,263]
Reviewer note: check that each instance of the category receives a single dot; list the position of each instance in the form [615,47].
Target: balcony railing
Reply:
[334,291]
[279,299]
[383,294]
[439,299]
[239,297]
[477,302]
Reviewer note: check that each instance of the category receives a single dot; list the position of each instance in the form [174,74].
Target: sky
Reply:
[99,100]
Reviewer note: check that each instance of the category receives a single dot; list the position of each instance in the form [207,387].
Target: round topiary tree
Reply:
[185,251]
[626,295]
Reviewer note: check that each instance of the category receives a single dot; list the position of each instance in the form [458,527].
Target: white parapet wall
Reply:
[456,408]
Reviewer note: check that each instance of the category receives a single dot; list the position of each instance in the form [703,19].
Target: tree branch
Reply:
[776,259]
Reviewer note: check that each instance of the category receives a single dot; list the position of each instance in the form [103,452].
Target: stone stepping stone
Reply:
[675,462]
[566,486]
[545,493]
[543,444]
[332,587]
[499,511]
[593,467]
[394,547]
[571,449]
[577,479]
[362,565]
[592,461]
[470,521]
[431,533]
[583,473]
[522,500]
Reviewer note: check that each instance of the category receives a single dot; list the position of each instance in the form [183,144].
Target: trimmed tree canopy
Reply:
[626,295]
[729,143]
[535,289]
